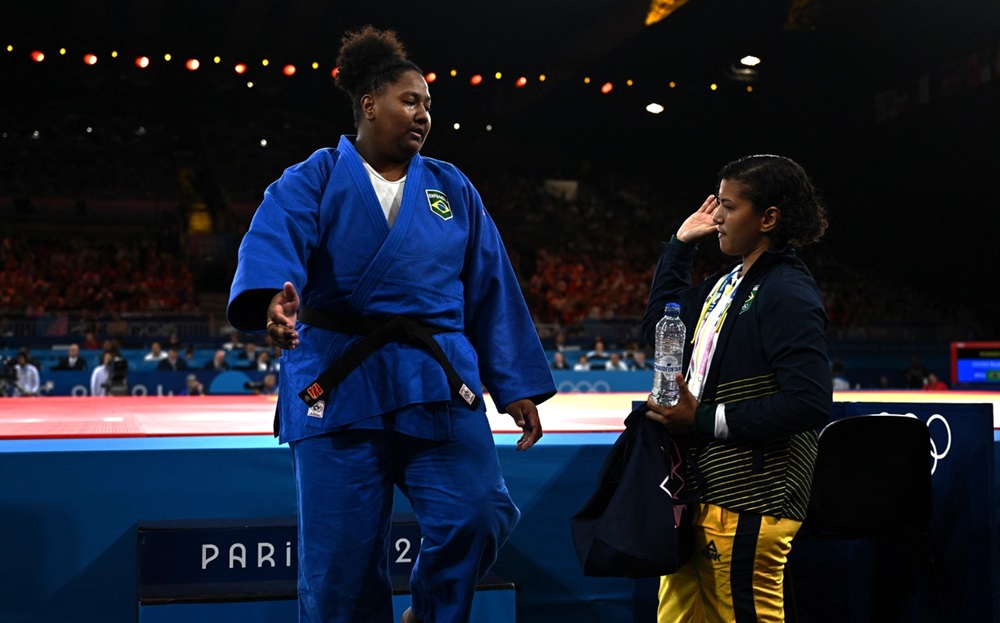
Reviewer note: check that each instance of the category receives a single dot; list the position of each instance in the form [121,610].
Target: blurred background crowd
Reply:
[125,192]
[120,232]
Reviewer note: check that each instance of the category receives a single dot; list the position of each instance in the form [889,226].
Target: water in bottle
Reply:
[670,336]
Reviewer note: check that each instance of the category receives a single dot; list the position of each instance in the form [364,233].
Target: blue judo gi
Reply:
[393,419]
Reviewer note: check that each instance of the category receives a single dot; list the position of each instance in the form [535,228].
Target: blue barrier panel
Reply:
[199,560]
[603,381]
[245,558]
[71,510]
[245,570]
[169,383]
[492,605]
[156,383]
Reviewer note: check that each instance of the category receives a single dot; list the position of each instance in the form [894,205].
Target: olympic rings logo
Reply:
[935,453]
[584,386]
[945,434]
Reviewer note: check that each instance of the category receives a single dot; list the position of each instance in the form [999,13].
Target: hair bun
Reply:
[364,54]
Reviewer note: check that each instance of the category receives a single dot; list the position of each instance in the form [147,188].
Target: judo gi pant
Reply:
[736,573]
[345,490]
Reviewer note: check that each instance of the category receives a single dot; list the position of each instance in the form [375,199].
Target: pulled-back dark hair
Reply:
[369,60]
[781,182]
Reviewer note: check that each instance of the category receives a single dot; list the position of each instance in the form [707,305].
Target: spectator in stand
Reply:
[156,353]
[101,375]
[840,381]
[628,353]
[264,363]
[598,357]
[270,382]
[560,341]
[218,362]
[639,361]
[27,381]
[173,361]
[934,383]
[598,352]
[559,362]
[582,364]
[234,344]
[268,385]
[615,362]
[90,342]
[915,377]
[174,341]
[248,358]
[192,386]
[72,360]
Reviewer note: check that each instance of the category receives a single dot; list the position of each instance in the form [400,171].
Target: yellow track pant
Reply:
[736,573]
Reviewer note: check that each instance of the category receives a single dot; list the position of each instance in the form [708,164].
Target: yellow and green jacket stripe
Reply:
[771,371]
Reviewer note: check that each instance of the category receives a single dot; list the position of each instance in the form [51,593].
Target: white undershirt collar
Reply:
[390,194]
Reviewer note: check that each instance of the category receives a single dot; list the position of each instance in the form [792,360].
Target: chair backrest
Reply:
[872,478]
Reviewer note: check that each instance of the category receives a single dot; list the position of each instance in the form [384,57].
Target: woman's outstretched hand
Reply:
[281,316]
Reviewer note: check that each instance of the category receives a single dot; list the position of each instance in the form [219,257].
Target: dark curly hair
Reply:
[369,60]
[781,182]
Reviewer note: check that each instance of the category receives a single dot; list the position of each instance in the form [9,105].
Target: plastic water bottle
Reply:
[670,336]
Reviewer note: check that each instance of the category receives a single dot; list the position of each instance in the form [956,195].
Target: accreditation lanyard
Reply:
[713,313]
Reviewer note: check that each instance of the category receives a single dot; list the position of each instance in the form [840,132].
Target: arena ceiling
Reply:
[824,62]
[891,104]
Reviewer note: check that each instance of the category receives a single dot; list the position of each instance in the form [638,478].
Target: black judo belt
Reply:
[377,333]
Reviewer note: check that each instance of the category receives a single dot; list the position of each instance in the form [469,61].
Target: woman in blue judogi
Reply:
[385,282]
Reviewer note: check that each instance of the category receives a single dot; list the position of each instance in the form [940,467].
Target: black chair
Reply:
[872,481]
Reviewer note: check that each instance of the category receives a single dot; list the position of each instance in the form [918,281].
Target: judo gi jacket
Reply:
[443,263]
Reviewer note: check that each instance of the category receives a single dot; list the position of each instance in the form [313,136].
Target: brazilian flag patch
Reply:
[439,204]
[749,301]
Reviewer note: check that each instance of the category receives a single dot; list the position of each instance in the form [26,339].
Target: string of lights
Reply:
[741,76]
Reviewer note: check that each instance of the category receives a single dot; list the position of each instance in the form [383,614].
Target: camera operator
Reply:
[118,383]
[266,386]
[27,381]
[101,376]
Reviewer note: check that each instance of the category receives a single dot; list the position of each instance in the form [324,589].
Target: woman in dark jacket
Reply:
[757,386]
